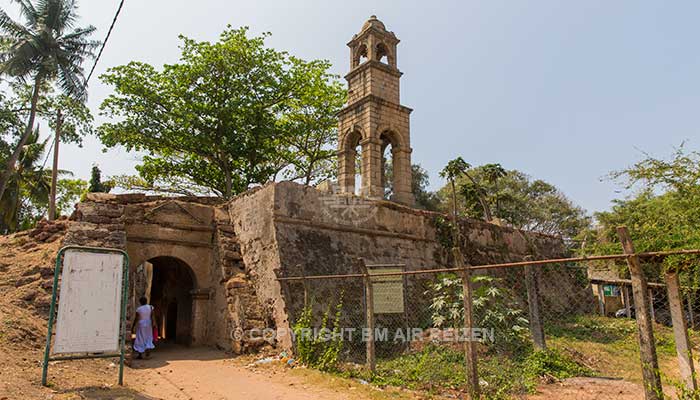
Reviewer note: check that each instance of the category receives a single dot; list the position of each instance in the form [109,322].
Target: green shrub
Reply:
[494,308]
[554,364]
[319,351]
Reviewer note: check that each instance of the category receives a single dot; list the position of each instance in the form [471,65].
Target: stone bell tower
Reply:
[374,118]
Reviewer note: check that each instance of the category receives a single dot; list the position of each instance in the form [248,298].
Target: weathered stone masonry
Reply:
[235,250]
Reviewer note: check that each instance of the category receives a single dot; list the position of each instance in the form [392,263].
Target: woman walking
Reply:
[143,325]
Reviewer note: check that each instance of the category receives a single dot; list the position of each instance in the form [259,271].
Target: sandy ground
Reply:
[182,374]
[201,373]
[590,389]
[176,373]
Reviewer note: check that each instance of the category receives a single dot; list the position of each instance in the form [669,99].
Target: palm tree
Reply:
[27,187]
[47,48]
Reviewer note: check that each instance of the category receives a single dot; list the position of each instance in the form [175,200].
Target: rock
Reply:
[32,271]
[236,283]
[46,271]
[28,295]
[100,197]
[25,280]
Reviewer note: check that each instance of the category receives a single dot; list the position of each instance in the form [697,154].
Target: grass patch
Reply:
[610,345]
[577,346]
[437,369]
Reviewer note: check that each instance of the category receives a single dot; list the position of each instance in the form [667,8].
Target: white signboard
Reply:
[89,307]
[387,291]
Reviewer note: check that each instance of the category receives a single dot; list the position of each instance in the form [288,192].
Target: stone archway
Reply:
[171,293]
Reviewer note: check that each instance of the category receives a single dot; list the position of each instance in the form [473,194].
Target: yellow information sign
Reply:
[387,290]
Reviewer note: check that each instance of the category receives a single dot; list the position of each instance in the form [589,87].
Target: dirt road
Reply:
[207,374]
[200,373]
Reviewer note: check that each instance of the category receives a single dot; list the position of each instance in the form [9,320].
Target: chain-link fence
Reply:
[532,322]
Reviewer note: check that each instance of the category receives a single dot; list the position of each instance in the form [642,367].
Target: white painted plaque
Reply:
[89,306]
[387,291]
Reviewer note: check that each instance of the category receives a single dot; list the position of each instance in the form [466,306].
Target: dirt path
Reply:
[207,374]
[201,373]
[589,389]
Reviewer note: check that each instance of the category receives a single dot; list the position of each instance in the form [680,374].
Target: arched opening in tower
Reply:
[388,169]
[170,294]
[360,56]
[358,169]
[382,53]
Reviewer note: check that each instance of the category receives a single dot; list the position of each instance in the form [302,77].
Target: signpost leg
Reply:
[52,311]
[125,330]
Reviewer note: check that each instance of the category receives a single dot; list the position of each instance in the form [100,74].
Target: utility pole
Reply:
[54,171]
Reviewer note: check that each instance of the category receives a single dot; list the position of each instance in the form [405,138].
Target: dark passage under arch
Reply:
[171,296]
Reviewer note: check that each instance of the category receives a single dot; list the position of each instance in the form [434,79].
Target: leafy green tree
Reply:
[69,192]
[229,114]
[96,184]
[47,48]
[518,201]
[28,189]
[425,199]
[310,127]
[663,212]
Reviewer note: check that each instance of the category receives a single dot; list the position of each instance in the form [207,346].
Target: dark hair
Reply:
[143,301]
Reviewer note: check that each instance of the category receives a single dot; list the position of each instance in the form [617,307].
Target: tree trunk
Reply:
[10,167]
[228,182]
[482,200]
[54,171]
[455,228]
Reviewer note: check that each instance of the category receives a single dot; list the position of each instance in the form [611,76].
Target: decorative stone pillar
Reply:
[402,176]
[200,309]
[372,168]
[346,173]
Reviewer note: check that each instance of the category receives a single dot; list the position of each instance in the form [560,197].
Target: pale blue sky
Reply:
[564,91]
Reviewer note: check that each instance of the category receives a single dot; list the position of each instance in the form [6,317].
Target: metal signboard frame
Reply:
[388,286]
[52,312]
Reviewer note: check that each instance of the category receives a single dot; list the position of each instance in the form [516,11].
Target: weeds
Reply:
[319,351]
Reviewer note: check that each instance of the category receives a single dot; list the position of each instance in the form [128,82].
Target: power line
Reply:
[94,65]
[104,43]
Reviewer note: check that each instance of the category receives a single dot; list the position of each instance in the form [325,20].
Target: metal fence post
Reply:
[680,331]
[647,345]
[691,311]
[469,346]
[306,288]
[601,300]
[369,312]
[533,301]
[627,299]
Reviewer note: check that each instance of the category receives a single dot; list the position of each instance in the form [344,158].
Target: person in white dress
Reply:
[143,326]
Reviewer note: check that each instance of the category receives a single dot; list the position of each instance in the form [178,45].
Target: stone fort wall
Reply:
[236,250]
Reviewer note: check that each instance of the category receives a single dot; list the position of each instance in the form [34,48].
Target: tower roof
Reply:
[374,25]
[374,22]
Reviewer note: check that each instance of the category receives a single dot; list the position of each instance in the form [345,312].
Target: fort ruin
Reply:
[211,266]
